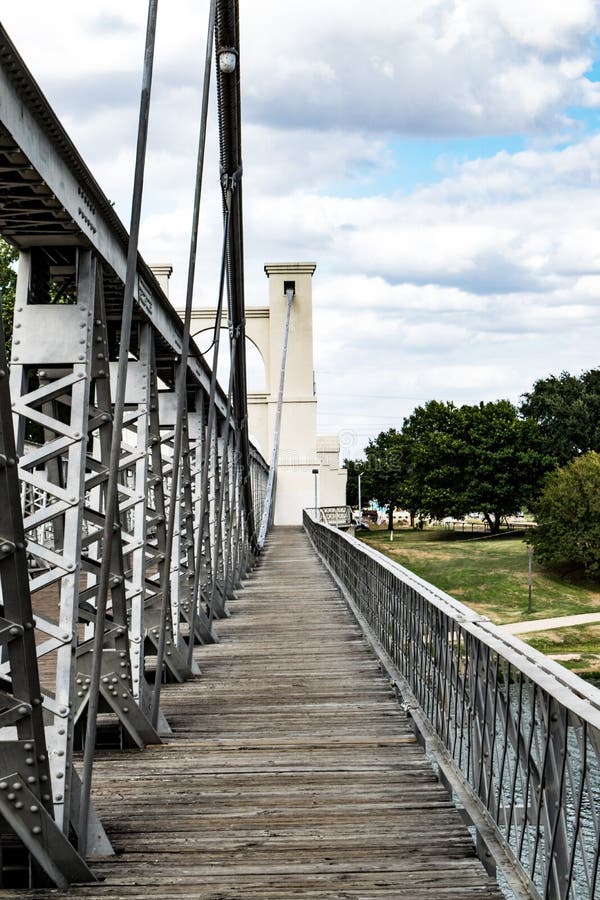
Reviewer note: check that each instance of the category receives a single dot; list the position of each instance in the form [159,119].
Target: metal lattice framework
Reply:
[186,487]
[516,736]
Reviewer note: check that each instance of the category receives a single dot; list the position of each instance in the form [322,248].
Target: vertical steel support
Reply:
[61,380]
[28,808]
[174,660]
[116,686]
[51,375]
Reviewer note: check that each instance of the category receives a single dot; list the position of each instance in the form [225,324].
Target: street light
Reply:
[315,473]
[227,60]
[360,475]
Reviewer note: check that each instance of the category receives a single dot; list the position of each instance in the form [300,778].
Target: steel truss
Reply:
[188,485]
[62,409]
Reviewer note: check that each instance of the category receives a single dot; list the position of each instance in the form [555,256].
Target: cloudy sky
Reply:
[438,159]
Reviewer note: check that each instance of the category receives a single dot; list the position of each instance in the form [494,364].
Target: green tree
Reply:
[567,412]
[568,515]
[437,453]
[482,457]
[387,472]
[8,283]
[353,467]
[505,462]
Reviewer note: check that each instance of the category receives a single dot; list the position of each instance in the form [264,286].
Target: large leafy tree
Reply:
[568,517]
[353,467]
[448,460]
[8,283]
[387,472]
[505,463]
[436,450]
[567,411]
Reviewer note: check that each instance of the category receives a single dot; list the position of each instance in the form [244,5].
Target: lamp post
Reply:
[360,475]
[529,576]
[315,473]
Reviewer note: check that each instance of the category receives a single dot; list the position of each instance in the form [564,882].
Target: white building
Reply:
[301,451]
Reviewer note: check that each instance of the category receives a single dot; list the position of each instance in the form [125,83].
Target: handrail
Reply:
[518,731]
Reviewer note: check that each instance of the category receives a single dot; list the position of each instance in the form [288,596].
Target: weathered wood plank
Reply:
[291,773]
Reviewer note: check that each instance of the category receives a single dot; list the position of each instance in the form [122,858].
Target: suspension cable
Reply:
[209,430]
[269,506]
[118,411]
[181,385]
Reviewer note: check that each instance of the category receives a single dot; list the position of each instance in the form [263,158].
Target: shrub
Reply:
[568,516]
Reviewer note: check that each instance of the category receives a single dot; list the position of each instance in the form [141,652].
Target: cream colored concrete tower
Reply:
[300,450]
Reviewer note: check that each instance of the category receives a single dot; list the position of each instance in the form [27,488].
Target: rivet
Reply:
[34,809]
[28,747]
[18,805]
[3,785]
[31,779]
[42,757]
[17,786]
[60,775]
[36,829]
[29,761]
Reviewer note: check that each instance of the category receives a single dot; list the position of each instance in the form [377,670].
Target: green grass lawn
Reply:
[490,575]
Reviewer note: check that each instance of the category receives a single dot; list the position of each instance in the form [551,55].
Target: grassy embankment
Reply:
[490,575]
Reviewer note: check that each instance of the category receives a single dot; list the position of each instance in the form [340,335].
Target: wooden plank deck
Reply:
[292,772]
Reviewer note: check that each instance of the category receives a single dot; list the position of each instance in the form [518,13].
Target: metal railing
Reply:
[515,733]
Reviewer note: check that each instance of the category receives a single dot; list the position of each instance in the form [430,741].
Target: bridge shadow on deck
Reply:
[292,771]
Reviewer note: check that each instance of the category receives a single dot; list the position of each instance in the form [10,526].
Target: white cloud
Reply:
[468,288]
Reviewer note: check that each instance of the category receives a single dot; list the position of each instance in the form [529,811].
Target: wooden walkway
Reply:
[292,771]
